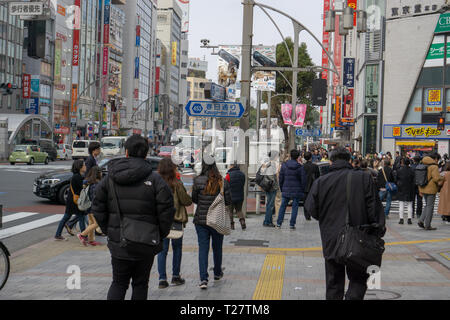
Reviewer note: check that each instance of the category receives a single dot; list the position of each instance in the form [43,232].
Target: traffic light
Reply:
[6,88]
[441,124]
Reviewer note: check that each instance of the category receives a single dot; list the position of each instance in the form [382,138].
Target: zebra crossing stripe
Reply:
[17,216]
[9,232]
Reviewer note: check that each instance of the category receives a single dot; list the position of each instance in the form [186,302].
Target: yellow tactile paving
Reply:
[270,283]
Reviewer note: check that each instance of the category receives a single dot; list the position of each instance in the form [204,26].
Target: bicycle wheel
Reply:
[4,265]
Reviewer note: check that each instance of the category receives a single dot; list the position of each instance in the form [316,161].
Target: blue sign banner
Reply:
[106,11]
[217,92]
[33,107]
[214,109]
[136,68]
[308,133]
[349,72]
[34,84]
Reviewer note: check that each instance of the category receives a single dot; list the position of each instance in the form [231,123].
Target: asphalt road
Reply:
[28,219]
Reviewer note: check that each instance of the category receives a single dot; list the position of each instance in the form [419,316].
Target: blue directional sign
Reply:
[214,109]
[308,133]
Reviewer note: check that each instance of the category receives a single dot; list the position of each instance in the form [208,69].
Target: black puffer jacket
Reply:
[204,201]
[143,196]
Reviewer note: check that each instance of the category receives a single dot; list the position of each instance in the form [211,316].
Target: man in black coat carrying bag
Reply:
[327,202]
[134,207]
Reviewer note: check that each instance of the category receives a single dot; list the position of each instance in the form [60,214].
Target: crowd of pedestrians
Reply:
[143,211]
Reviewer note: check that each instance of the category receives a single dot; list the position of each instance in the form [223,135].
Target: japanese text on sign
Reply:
[26,9]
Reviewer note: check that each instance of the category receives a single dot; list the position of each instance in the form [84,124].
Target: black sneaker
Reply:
[69,230]
[204,285]
[308,218]
[178,281]
[217,278]
[401,221]
[409,221]
[292,227]
[163,284]
[269,225]
[60,238]
[430,228]
[420,224]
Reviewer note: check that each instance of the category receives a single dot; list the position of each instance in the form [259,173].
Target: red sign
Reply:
[354,5]
[347,107]
[106,34]
[105,61]
[76,48]
[337,53]
[26,86]
[325,40]
[62,130]
[138,31]
[157,76]
[321,115]
[74,98]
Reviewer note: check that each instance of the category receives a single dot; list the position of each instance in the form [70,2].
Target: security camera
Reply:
[205,42]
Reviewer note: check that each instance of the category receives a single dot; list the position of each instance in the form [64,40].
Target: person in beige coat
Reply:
[430,190]
[444,199]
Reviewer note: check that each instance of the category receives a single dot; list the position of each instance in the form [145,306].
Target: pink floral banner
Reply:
[286,111]
[300,112]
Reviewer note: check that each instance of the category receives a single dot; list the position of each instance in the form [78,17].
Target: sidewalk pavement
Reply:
[259,263]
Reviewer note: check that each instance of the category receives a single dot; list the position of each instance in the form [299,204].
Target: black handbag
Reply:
[137,236]
[264,181]
[359,246]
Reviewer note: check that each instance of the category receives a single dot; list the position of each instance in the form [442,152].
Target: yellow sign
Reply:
[411,131]
[397,131]
[434,97]
[174,53]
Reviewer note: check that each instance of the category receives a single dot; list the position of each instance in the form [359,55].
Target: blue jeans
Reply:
[65,218]
[388,196]
[284,203]
[177,246]
[270,206]
[204,234]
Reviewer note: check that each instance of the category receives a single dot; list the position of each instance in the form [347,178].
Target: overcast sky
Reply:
[220,21]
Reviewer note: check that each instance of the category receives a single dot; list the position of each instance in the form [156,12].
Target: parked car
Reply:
[29,154]
[54,185]
[166,151]
[46,145]
[64,152]
[80,149]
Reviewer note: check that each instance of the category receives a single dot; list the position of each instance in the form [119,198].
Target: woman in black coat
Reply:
[75,187]
[205,190]
[406,188]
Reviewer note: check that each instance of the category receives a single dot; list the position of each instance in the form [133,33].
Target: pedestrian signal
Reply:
[441,124]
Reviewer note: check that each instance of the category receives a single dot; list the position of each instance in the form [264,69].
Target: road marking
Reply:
[17,216]
[8,232]
[270,283]
[23,171]
[444,254]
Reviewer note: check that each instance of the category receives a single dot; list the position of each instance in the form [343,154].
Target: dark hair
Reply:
[417,159]
[273,154]
[215,180]
[340,153]
[446,166]
[356,162]
[364,164]
[77,165]
[94,175]
[295,154]
[435,156]
[137,146]
[308,156]
[94,145]
[387,162]
[167,170]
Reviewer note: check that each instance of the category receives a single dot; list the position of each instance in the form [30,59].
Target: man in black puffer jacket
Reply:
[236,178]
[146,205]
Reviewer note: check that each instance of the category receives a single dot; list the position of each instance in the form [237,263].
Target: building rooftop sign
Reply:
[406,8]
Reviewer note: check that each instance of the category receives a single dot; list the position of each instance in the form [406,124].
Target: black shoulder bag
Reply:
[137,236]
[358,246]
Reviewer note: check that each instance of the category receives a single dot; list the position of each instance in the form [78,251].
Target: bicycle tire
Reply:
[4,260]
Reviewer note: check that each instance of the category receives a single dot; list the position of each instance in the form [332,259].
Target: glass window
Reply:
[430,77]
[372,78]
[414,113]
[432,100]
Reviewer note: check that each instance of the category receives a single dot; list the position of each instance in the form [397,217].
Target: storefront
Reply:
[418,139]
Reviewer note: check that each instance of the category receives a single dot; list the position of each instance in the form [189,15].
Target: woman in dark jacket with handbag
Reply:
[75,187]
[406,189]
[168,171]
[205,190]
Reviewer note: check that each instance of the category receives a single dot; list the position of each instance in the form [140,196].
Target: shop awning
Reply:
[416,143]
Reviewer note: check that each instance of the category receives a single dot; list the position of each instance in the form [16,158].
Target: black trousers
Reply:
[419,204]
[123,271]
[335,282]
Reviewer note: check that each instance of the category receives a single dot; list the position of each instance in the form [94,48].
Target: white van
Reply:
[113,146]
[80,149]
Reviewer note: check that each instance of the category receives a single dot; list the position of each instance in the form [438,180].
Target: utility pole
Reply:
[269,120]
[100,115]
[247,36]
[297,30]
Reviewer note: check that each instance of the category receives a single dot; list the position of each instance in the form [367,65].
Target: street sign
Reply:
[214,91]
[214,109]
[308,133]
[90,135]
[26,8]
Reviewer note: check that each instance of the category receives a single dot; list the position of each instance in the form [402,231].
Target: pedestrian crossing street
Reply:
[395,206]
[33,169]
[20,222]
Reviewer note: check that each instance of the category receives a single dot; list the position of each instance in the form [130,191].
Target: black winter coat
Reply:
[292,179]
[204,201]
[76,182]
[381,181]
[312,173]
[237,183]
[89,163]
[405,184]
[143,196]
[327,202]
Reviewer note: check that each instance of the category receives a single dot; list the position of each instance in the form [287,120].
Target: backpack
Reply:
[84,203]
[421,175]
